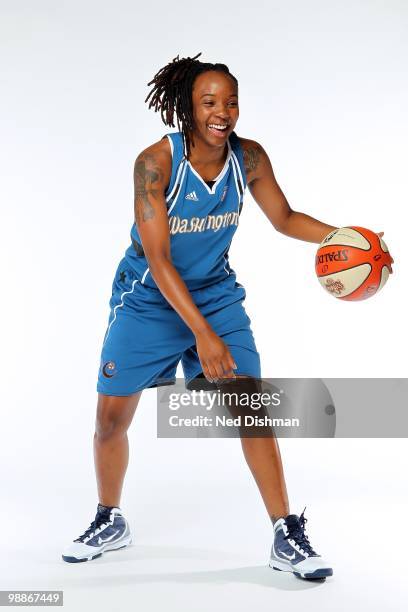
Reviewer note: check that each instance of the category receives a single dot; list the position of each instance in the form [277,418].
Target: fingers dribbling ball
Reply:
[353,263]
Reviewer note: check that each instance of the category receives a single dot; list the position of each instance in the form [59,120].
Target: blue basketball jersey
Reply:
[202,219]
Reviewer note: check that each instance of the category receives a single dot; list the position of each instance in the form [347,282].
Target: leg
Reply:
[264,460]
[111,447]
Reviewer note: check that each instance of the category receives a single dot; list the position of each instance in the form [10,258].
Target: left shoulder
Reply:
[255,158]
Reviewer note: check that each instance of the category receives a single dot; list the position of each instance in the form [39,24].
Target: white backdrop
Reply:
[323,89]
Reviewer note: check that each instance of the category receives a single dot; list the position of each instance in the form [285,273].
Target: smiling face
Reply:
[215,107]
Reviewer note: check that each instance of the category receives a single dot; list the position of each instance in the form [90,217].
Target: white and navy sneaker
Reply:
[292,551]
[109,531]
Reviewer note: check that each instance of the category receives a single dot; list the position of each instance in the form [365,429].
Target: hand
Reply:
[215,357]
[381,234]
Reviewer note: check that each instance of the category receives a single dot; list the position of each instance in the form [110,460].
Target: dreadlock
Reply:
[172,92]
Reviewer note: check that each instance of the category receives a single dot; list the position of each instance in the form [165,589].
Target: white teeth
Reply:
[218,127]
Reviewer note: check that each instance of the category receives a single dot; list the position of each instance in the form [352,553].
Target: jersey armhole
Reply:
[169,188]
[171,144]
[176,159]
[239,155]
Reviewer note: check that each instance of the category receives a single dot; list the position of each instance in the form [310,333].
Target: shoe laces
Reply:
[296,532]
[101,519]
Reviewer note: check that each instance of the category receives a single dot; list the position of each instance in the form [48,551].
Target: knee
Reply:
[241,396]
[240,385]
[109,422]
[107,428]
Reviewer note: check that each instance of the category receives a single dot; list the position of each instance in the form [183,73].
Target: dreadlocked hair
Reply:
[172,92]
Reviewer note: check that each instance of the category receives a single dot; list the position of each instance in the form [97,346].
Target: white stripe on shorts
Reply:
[119,306]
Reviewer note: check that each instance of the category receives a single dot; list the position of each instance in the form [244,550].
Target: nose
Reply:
[222,112]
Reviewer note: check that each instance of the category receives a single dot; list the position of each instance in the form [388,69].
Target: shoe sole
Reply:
[281,566]
[119,546]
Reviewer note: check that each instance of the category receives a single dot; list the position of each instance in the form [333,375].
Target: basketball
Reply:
[353,263]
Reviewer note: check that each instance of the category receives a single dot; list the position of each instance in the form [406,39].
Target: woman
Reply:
[175,295]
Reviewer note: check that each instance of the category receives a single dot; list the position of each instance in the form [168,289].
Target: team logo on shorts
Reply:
[109,369]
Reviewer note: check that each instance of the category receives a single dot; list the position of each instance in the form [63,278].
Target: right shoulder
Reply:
[157,159]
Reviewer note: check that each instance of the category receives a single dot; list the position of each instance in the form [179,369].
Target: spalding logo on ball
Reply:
[353,263]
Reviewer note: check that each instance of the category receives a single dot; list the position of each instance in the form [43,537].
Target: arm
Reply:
[270,198]
[151,175]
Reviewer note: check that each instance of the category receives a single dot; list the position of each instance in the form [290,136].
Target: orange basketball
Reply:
[353,263]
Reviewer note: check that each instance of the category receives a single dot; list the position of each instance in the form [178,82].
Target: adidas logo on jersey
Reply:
[192,196]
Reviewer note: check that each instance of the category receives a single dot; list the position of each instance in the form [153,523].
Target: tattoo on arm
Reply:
[251,158]
[147,173]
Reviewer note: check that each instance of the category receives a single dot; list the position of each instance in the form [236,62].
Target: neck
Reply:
[204,154]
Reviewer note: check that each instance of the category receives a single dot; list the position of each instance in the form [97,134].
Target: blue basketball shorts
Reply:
[146,338]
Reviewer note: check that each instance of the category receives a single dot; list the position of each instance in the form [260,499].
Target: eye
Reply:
[212,104]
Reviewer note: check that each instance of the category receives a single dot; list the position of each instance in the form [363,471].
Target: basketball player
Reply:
[175,296]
